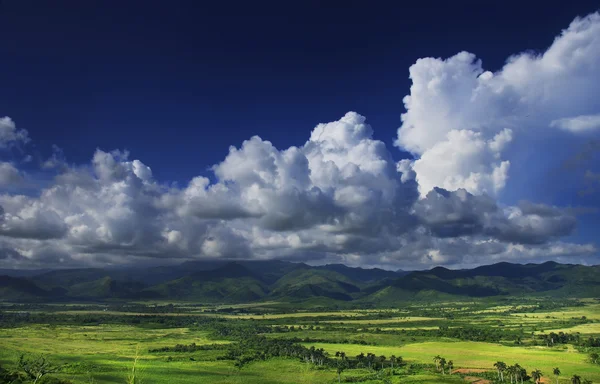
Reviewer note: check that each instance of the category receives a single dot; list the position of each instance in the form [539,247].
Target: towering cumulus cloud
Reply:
[340,196]
[462,121]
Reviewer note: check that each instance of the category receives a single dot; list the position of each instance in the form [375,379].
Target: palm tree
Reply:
[594,356]
[443,365]
[392,361]
[382,360]
[500,367]
[556,372]
[370,358]
[360,358]
[511,370]
[520,372]
[436,360]
[341,365]
[576,379]
[536,376]
[450,366]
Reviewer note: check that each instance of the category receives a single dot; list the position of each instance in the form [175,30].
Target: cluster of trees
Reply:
[591,342]
[559,338]
[235,330]
[441,364]
[517,374]
[14,319]
[188,348]
[486,334]
[251,348]
[370,361]
[567,338]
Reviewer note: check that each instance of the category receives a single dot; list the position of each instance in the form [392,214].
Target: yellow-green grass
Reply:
[406,319]
[587,329]
[123,313]
[340,336]
[415,328]
[107,352]
[591,311]
[480,355]
[95,339]
[294,315]
[504,308]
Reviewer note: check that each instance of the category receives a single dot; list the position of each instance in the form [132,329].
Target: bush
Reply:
[53,380]
[7,377]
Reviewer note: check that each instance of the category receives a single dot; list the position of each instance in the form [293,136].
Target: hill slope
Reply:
[245,281]
[229,283]
[494,280]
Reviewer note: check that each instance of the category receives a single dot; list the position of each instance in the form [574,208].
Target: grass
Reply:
[110,352]
[407,319]
[586,329]
[590,311]
[479,355]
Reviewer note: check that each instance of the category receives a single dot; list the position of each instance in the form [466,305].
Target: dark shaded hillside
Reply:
[362,274]
[105,287]
[229,283]
[549,278]
[19,288]
[245,281]
[311,282]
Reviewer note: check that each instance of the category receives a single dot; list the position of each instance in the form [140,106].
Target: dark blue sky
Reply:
[178,82]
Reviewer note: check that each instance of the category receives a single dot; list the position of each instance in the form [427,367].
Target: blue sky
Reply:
[177,83]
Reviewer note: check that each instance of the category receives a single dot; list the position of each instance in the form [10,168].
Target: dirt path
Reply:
[473,379]
[478,380]
[470,370]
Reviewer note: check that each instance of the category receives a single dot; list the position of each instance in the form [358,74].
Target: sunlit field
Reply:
[93,345]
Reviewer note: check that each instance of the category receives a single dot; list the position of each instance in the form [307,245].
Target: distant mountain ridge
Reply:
[221,281]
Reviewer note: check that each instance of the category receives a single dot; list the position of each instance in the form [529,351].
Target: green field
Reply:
[96,346]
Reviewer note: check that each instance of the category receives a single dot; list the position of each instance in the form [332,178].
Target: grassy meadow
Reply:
[96,343]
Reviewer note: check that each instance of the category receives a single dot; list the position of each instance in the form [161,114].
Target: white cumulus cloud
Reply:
[461,120]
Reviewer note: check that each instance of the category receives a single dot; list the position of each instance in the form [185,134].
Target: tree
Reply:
[382,360]
[360,358]
[556,372]
[370,359]
[450,366]
[536,375]
[436,360]
[520,372]
[443,365]
[511,370]
[36,366]
[500,367]
[594,356]
[576,379]
[341,365]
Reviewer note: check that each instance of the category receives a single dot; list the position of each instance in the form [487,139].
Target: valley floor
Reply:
[217,345]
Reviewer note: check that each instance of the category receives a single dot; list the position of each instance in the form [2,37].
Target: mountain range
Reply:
[250,281]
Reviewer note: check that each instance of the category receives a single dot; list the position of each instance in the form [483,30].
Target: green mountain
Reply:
[310,282]
[361,274]
[19,288]
[549,278]
[230,283]
[105,287]
[247,281]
